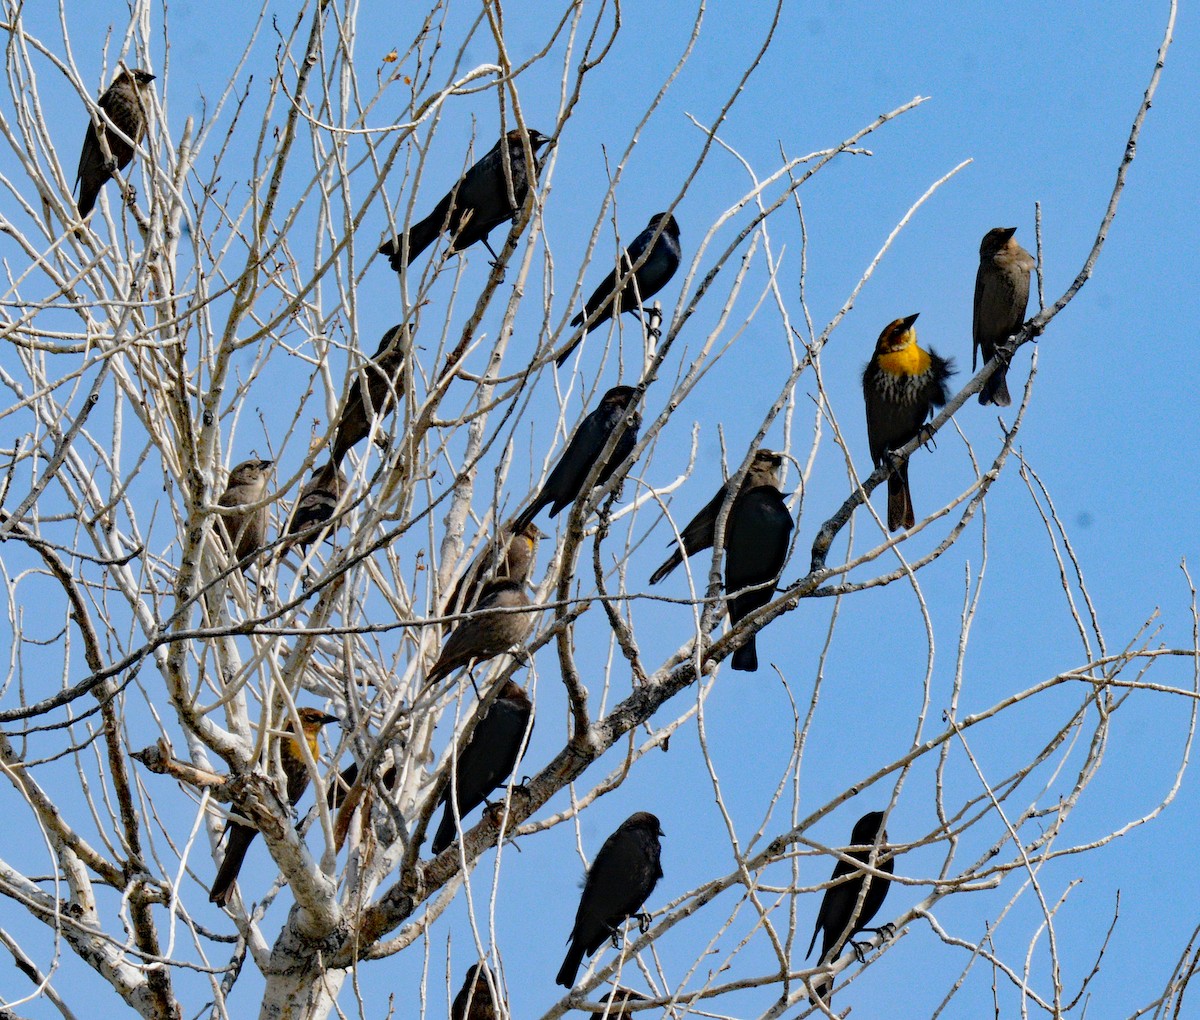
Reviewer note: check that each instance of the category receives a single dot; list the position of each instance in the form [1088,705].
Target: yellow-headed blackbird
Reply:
[653,274]
[296,773]
[588,442]
[126,102]
[317,502]
[756,547]
[488,758]
[246,531]
[488,630]
[374,393]
[700,531]
[1001,294]
[480,201]
[624,873]
[475,1000]
[507,556]
[616,1002]
[840,917]
[902,384]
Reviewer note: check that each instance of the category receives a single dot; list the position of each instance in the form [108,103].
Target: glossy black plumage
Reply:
[1001,296]
[646,281]
[488,631]
[479,202]
[488,758]
[586,445]
[700,531]
[622,876]
[374,393]
[756,548]
[127,105]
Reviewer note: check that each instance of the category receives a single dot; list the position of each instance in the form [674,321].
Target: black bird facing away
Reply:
[586,445]
[475,1000]
[478,203]
[487,631]
[902,384]
[317,502]
[700,531]
[520,555]
[756,548]
[646,281]
[837,918]
[374,393]
[126,102]
[1001,295]
[488,758]
[246,531]
[295,771]
[624,873]
[616,1001]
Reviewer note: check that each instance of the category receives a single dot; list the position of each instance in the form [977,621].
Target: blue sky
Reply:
[1040,98]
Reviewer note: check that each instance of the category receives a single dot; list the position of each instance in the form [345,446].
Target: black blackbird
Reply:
[1001,294]
[756,547]
[520,554]
[700,531]
[475,1000]
[837,918]
[246,531]
[475,205]
[624,873]
[488,759]
[486,632]
[296,773]
[374,393]
[569,474]
[648,280]
[902,384]
[127,104]
[317,502]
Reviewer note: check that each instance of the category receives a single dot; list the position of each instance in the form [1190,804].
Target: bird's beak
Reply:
[327,718]
[908,323]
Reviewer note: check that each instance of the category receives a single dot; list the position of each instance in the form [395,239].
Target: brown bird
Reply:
[700,531]
[488,630]
[488,758]
[1001,295]
[840,916]
[126,103]
[246,531]
[476,1000]
[374,393]
[586,445]
[519,557]
[902,384]
[616,1001]
[295,771]
[479,202]
[624,873]
[317,502]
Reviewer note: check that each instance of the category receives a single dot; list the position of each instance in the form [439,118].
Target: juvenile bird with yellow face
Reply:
[1001,295]
[295,771]
[902,384]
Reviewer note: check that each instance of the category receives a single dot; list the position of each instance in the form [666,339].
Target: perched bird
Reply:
[126,103]
[295,772]
[516,564]
[246,531]
[487,631]
[624,873]
[700,532]
[475,1000]
[616,1001]
[588,442]
[837,917]
[756,548]
[479,202]
[649,278]
[1001,294]
[317,502]
[374,393]
[488,759]
[902,384]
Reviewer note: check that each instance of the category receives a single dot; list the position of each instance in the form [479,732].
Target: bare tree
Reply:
[225,302]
